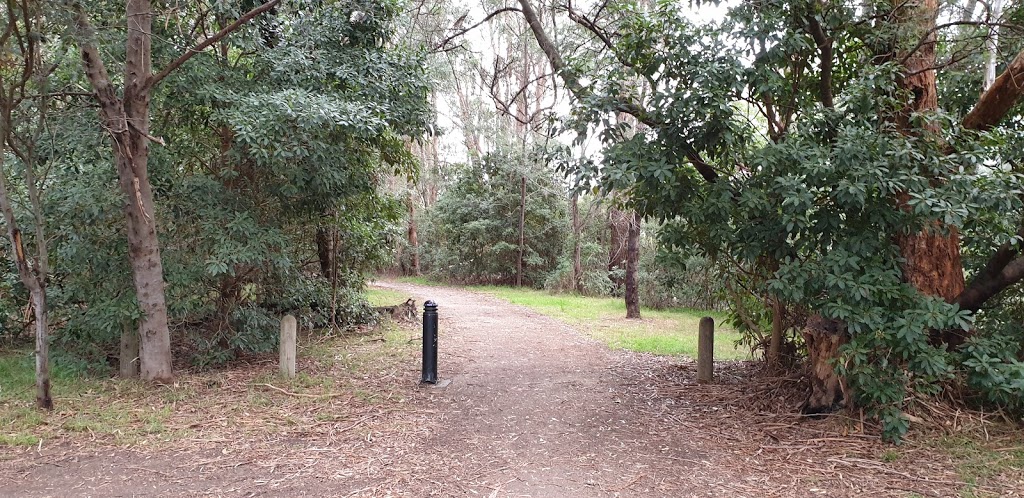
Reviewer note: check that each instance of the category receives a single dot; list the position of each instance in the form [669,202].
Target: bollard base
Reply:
[440,384]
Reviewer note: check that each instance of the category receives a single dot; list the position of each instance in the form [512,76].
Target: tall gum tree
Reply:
[126,118]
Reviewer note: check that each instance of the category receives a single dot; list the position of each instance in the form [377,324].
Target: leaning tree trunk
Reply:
[632,264]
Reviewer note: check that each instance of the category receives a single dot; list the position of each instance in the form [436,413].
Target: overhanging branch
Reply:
[572,83]
[227,30]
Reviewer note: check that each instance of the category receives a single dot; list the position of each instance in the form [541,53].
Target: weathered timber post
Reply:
[705,350]
[429,343]
[288,328]
[128,361]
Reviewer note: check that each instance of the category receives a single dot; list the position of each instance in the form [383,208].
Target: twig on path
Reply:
[165,474]
[627,485]
[303,395]
[913,491]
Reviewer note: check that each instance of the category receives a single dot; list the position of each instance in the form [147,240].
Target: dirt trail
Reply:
[534,408]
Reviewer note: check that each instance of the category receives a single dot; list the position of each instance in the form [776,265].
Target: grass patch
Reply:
[977,461]
[336,374]
[384,297]
[666,332]
[421,280]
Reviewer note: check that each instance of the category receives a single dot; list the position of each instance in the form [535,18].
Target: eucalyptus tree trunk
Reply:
[992,44]
[931,257]
[35,280]
[522,232]
[577,260]
[413,233]
[618,226]
[27,75]
[932,262]
[632,267]
[126,119]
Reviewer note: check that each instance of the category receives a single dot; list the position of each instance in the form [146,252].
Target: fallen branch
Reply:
[302,395]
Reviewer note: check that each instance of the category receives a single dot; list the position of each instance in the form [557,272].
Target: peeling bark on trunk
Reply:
[632,264]
[932,262]
[828,390]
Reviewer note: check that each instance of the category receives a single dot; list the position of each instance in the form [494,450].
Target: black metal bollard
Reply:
[429,343]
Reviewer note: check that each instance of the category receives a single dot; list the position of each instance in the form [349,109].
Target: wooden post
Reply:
[288,328]
[705,350]
[128,362]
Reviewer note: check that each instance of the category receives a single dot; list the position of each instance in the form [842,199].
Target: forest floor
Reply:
[533,408]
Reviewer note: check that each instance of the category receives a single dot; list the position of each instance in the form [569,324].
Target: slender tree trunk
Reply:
[618,225]
[37,292]
[325,252]
[43,399]
[33,278]
[24,21]
[577,260]
[414,242]
[632,264]
[133,175]
[127,121]
[775,342]
[992,45]
[522,231]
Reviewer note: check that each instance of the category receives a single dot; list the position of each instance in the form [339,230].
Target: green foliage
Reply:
[284,129]
[472,233]
[994,370]
[802,206]
[670,279]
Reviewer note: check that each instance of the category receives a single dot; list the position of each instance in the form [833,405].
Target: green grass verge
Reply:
[128,412]
[667,332]
[976,461]
[384,297]
[98,407]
